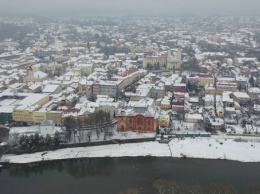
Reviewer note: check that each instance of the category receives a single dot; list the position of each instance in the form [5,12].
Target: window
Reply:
[149,122]
[139,121]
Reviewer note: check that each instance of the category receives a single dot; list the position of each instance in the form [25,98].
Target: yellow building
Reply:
[39,116]
[37,67]
[166,103]
[164,121]
[86,86]
[154,60]
[23,114]
[33,115]
[55,116]
[210,89]
[174,59]
[29,103]
[193,118]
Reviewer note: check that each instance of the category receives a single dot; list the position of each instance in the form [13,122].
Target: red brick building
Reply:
[137,122]
[178,106]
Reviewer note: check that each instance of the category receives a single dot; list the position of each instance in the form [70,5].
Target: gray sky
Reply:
[141,7]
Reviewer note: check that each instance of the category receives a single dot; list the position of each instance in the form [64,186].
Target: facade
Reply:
[164,120]
[11,109]
[202,79]
[240,97]
[174,59]
[153,61]
[166,103]
[46,127]
[253,92]
[209,89]
[55,116]
[110,88]
[39,116]
[128,76]
[86,86]
[6,117]
[137,122]
[178,106]
[193,118]
[26,113]
[23,114]
[35,88]
[241,82]
[139,118]
[37,76]
[52,89]
[37,67]
[157,92]
[171,62]
[110,107]
[226,86]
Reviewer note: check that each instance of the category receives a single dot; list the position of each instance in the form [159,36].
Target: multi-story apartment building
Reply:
[108,87]
[27,110]
[240,97]
[209,89]
[86,86]
[225,86]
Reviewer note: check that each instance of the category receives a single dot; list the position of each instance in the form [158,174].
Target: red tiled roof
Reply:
[71,110]
[177,103]
[128,72]
[181,90]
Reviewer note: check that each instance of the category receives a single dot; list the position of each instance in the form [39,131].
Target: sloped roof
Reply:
[47,123]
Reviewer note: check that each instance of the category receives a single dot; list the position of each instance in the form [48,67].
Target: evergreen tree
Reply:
[252,81]
[56,139]
[48,140]
[207,124]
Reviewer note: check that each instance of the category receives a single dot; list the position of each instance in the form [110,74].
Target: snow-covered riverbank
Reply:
[207,148]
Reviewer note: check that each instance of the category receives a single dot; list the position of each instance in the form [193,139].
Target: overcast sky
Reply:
[140,7]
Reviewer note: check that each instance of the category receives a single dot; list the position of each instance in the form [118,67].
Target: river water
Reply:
[112,175]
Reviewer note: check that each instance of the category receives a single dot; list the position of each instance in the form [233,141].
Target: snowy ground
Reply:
[217,147]
[82,136]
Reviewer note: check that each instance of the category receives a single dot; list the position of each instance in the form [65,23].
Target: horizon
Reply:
[125,7]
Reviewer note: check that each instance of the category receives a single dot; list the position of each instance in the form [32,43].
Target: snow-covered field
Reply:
[217,147]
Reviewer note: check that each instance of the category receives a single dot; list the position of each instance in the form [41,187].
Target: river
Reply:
[112,175]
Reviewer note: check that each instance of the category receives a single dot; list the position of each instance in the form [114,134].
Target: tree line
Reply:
[173,187]
[36,141]
[98,123]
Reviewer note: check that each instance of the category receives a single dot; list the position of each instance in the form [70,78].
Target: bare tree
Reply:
[160,186]
[131,190]
[196,189]
[173,187]
[89,134]
[70,124]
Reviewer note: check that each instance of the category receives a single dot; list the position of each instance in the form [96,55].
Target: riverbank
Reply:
[205,148]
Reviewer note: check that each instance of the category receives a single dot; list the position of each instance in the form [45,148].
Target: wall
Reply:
[136,123]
